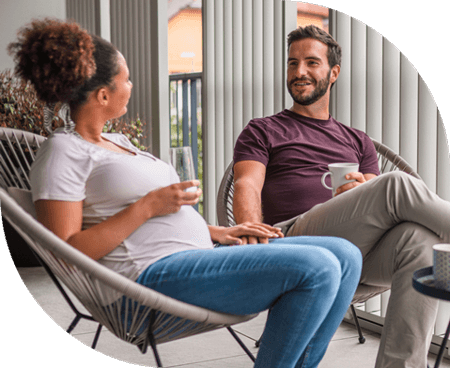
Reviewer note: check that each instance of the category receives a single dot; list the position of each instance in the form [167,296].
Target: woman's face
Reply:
[121,92]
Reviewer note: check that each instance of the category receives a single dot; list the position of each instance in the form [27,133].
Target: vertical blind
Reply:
[137,52]
[244,62]
[380,92]
[86,13]
[138,29]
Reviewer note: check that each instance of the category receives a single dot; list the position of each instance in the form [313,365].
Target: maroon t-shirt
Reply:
[296,151]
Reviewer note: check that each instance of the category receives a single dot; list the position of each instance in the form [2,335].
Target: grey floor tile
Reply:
[211,346]
[215,349]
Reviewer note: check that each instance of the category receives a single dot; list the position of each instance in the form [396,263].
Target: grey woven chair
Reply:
[132,312]
[388,161]
[17,153]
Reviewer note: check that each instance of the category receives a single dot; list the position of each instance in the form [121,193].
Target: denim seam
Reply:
[231,273]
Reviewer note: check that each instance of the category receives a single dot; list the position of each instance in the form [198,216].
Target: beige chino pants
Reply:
[394,220]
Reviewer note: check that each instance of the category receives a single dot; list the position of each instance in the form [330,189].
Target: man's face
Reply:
[308,71]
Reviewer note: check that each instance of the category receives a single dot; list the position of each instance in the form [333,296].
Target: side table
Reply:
[423,282]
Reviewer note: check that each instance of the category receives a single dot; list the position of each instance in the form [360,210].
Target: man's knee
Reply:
[399,178]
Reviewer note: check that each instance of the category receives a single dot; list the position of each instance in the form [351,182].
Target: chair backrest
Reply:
[17,152]
[388,161]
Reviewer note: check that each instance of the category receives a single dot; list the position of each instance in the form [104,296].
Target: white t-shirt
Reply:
[68,168]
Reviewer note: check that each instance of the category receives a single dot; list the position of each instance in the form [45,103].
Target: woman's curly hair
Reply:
[56,56]
[63,61]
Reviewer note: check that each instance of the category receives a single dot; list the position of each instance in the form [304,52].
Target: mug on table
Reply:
[441,266]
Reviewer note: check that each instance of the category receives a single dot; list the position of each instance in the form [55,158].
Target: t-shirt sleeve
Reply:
[369,162]
[252,144]
[60,171]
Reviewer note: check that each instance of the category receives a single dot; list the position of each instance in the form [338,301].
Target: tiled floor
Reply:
[212,350]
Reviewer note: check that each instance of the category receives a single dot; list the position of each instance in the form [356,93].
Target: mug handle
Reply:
[323,180]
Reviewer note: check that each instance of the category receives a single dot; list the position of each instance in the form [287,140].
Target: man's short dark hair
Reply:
[334,53]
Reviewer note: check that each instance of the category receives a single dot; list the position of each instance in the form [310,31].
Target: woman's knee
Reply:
[325,269]
[348,254]
[305,263]
[344,249]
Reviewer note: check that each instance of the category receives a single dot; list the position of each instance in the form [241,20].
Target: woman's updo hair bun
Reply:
[56,56]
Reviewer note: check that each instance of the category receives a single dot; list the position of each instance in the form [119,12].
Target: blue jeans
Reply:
[307,282]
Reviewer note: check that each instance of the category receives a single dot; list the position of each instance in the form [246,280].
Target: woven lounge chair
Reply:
[17,152]
[388,161]
[132,312]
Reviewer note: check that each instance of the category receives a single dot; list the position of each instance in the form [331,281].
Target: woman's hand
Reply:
[167,200]
[232,235]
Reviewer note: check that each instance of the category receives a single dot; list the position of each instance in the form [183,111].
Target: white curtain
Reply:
[244,63]
[380,92]
[139,30]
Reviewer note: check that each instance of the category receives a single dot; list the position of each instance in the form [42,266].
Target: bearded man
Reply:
[394,219]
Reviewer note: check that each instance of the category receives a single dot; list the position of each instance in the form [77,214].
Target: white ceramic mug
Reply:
[441,266]
[338,172]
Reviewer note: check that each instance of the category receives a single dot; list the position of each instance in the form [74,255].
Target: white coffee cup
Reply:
[441,266]
[338,172]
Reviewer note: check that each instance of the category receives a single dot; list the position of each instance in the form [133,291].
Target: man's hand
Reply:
[236,234]
[254,240]
[262,239]
[359,179]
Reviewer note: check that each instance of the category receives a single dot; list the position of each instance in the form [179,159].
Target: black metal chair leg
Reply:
[97,335]
[236,337]
[258,342]
[151,339]
[78,314]
[155,351]
[442,348]
[362,339]
[74,323]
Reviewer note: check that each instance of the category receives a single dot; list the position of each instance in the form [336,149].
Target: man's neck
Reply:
[311,111]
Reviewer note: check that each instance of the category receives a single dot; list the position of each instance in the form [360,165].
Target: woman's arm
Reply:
[65,218]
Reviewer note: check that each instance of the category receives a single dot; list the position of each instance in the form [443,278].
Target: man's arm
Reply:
[249,179]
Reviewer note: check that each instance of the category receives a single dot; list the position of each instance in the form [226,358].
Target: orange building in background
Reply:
[312,14]
[185,36]
[185,31]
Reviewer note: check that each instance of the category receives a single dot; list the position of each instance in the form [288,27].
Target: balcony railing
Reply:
[186,118]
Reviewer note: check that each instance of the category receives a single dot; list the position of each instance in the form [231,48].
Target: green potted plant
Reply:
[21,109]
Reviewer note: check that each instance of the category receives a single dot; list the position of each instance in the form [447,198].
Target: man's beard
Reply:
[318,92]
